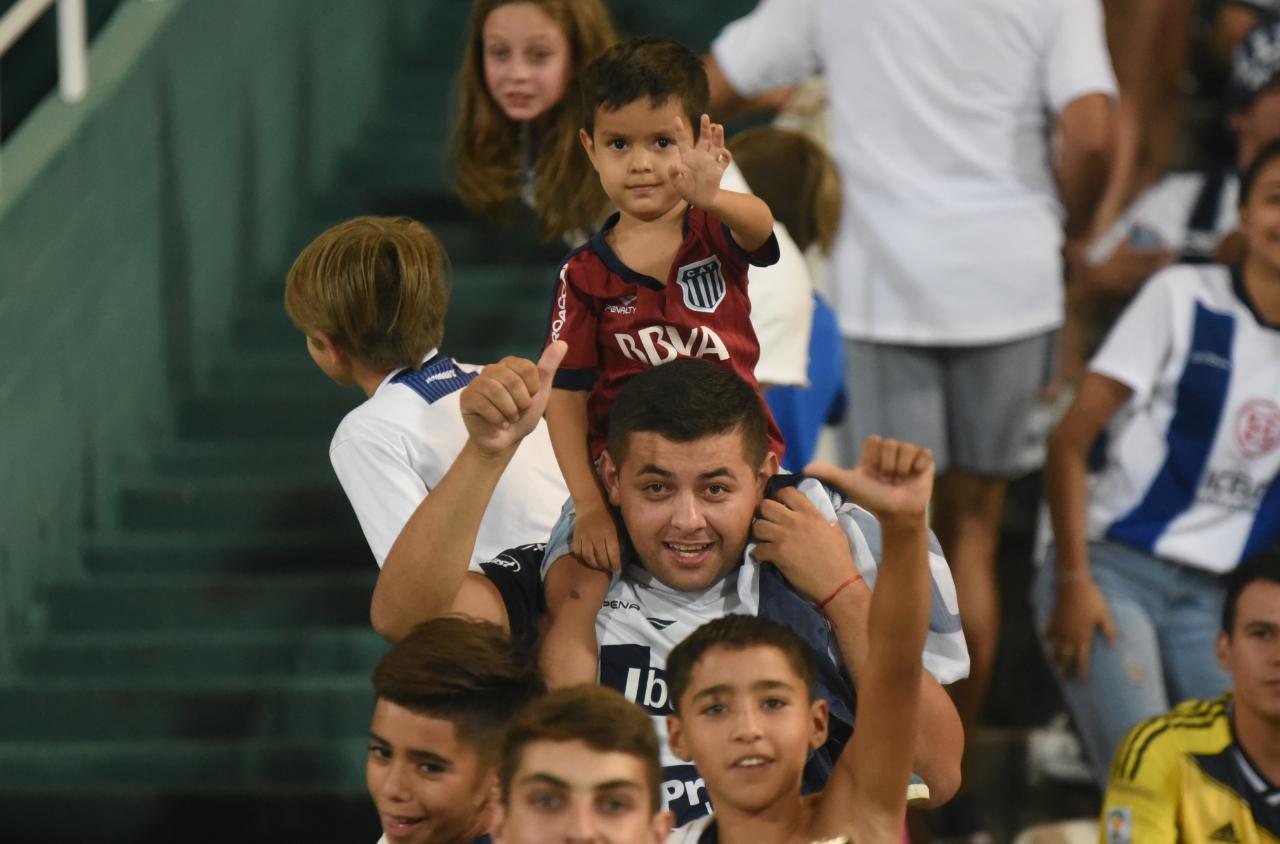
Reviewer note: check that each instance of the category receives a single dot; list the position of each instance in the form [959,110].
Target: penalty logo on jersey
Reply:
[702,285]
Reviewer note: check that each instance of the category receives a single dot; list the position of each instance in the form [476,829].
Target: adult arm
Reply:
[425,573]
[1087,131]
[1079,606]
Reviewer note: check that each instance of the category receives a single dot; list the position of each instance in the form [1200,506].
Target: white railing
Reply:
[73,56]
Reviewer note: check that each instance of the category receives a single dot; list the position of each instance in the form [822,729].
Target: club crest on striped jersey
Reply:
[702,284]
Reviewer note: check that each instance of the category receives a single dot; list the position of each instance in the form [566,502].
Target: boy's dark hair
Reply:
[1261,566]
[656,69]
[598,716]
[735,632]
[378,287]
[462,671]
[1269,153]
[687,400]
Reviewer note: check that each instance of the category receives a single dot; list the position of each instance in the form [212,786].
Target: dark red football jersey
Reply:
[619,322]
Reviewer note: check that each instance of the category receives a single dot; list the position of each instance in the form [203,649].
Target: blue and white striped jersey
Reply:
[1191,459]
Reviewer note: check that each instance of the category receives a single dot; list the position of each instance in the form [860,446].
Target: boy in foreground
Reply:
[444,694]
[745,710]
[581,764]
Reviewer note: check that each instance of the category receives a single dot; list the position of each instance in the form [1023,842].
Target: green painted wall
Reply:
[130,223]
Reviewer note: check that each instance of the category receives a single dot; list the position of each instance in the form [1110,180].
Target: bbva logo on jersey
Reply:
[701,284]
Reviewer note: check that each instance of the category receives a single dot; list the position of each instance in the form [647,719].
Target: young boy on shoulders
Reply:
[742,686]
[371,295]
[664,278]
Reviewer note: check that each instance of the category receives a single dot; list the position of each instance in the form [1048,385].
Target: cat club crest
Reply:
[702,285]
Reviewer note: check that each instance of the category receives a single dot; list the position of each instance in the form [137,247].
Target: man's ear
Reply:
[588,145]
[675,738]
[820,716]
[768,468]
[1222,647]
[609,472]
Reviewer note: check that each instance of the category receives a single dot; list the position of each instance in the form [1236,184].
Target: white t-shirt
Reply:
[393,449]
[1192,457]
[951,227]
[781,297]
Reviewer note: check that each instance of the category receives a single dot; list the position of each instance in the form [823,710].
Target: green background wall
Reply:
[129,222]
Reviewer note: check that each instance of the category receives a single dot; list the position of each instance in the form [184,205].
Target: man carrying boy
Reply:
[665,277]
[371,295]
[444,693]
[1209,770]
[687,465]
[581,764]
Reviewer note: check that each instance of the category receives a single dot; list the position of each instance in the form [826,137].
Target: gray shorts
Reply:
[970,404]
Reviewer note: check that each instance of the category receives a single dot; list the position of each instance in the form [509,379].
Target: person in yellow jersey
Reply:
[1209,770]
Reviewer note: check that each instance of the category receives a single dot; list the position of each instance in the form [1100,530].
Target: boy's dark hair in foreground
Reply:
[462,671]
[599,717]
[735,632]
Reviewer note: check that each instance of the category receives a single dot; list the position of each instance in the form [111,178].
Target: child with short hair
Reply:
[445,694]
[743,692]
[581,762]
[664,278]
[371,295]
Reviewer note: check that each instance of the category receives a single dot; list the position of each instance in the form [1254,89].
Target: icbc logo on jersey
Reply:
[1258,427]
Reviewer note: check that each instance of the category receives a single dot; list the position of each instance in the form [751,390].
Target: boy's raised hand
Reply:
[893,479]
[503,404]
[696,174]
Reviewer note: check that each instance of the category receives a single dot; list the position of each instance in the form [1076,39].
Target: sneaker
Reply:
[1054,753]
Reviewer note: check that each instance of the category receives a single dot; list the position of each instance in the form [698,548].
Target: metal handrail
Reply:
[73,52]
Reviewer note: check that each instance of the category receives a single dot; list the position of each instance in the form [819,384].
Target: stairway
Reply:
[207,679]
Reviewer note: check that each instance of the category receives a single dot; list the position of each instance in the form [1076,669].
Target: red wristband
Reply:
[853,578]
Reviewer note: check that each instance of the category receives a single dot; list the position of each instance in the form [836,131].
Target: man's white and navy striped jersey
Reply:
[393,449]
[1191,459]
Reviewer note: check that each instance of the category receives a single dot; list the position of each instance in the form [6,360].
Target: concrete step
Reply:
[136,603]
[332,548]
[266,813]
[39,712]
[260,412]
[188,458]
[185,764]
[187,655]
[304,497]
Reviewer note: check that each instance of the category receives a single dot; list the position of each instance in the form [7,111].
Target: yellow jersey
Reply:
[1181,777]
